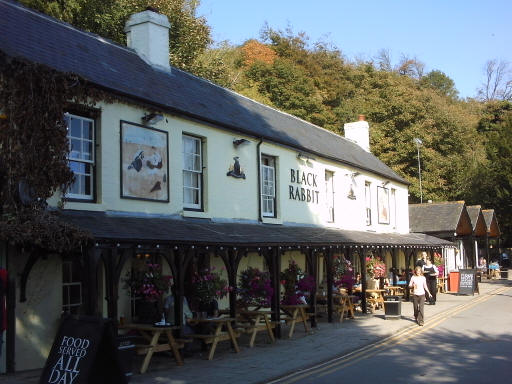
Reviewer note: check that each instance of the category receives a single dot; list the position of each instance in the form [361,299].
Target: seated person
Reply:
[170,313]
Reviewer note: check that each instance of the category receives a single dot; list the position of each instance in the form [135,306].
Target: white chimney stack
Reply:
[359,132]
[148,33]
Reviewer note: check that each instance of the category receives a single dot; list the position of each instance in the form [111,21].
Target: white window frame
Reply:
[368,202]
[90,161]
[196,173]
[329,195]
[268,186]
[67,305]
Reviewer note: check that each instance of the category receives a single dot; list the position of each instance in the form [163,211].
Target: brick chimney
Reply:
[147,33]
[359,132]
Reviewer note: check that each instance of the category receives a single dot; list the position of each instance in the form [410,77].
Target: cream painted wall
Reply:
[227,198]
[37,319]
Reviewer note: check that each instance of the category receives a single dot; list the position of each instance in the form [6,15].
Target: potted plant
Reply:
[375,269]
[207,288]
[148,285]
[343,273]
[255,288]
[296,286]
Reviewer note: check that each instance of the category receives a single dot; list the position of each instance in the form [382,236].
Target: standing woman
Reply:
[419,286]
[430,271]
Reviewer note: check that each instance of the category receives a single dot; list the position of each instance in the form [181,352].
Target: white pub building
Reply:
[189,174]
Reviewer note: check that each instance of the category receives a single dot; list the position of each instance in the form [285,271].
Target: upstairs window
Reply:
[268,186]
[329,195]
[368,203]
[192,173]
[80,133]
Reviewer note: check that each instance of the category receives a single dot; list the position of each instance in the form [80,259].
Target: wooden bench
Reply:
[218,335]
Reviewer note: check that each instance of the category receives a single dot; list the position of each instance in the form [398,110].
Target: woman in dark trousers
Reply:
[430,271]
[419,286]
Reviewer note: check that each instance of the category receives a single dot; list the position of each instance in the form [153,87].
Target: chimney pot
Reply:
[147,33]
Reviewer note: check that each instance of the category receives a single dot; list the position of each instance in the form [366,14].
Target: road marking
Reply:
[353,357]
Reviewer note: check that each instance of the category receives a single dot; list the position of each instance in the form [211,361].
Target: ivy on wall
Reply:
[33,151]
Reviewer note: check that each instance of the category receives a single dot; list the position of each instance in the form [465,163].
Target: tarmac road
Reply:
[470,343]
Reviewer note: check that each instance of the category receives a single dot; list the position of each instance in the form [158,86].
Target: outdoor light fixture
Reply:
[237,142]
[303,157]
[419,143]
[152,118]
[384,183]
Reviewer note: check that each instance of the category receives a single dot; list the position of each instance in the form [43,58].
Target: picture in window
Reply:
[383,204]
[144,163]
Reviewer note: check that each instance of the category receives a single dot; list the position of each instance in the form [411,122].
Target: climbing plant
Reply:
[34,148]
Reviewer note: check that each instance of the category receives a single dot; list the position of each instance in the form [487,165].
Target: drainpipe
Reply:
[258,154]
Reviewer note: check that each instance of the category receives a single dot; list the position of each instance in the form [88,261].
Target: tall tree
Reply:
[189,35]
[498,81]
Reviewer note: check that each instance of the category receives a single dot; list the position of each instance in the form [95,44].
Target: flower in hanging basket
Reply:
[375,267]
[148,282]
[207,286]
[343,273]
[255,288]
[296,285]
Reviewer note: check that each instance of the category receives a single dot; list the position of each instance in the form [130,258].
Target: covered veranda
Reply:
[182,242]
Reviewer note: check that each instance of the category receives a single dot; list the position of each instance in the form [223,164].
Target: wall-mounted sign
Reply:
[306,188]
[235,170]
[144,163]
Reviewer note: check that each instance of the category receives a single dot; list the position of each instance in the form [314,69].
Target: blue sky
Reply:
[453,36]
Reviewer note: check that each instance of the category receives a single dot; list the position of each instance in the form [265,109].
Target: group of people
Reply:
[424,285]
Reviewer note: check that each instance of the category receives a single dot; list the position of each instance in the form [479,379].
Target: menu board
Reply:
[468,283]
[84,351]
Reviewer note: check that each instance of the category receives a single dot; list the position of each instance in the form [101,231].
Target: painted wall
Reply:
[37,319]
[227,198]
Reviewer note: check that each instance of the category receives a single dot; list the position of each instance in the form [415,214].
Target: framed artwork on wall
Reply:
[383,204]
[144,163]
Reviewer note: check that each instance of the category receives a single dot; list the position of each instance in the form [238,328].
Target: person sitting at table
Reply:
[170,313]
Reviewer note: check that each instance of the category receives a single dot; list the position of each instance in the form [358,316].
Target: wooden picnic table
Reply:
[218,334]
[395,290]
[254,321]
[342,304]
[152,334]
[296,313]
[375,302]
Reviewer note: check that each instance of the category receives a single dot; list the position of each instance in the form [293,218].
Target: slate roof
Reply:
[474,212]
[112,226]
[491,222]
[477,220]
[35,37]
[436,217]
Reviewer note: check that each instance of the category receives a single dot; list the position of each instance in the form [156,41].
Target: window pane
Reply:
[76,127]
[87,150]
[87,130]
[76,149]
[66,272]
[197,163]
[75,294]
[188,196]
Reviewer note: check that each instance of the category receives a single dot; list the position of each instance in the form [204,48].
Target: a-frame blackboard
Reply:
[83,352]
[468,283]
